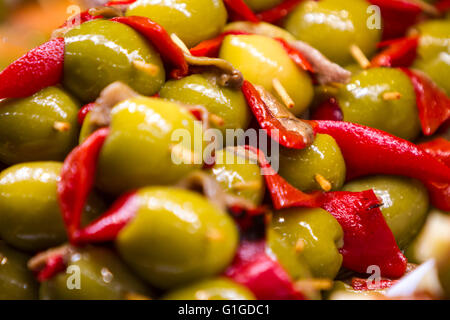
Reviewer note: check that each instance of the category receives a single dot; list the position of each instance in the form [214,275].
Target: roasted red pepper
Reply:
[265,277]
[278,12]
[398,53]
[53,265]
[240,10]
[371,151]
[438,148]
[363,284]
[328,110]
[119,3]
[211,47]
[268,122]
[398,16]
[39,68]
[84,111]
[77,179]
[367,237]
[159,37]
[432,102]
[296,56]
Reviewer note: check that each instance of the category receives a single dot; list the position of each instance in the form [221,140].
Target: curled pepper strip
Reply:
[432,102]
[158,36]
[278,122]
[77,20]
[278,12]
[265,277]
[439,192]
[360,284]
[39,68]
[296,56]
[398,53]
[398,16]
[240,10]
[367,237]
[211,47]
[82,113]
[77,179]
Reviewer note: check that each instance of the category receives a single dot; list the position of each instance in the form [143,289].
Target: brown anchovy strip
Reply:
[213,191]
[221,71]
[100,115]
[107,12]
[326,71]
[285,117]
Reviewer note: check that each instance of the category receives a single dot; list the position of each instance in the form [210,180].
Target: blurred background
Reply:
[25,24]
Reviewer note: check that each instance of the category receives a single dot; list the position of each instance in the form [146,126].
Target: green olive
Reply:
[30,217]
[100,52]
[315,234]
[228,104]
[261,60]
[323,158]
[211,289]
[16,281]
[191,20]
[29,126]
[239,177]
[434,51]
[261,5]
[405,203]
[144,147]
[93,274]
[177,237]
[333,26]
[364,101]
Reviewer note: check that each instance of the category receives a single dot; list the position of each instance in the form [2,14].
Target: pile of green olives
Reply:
[181,240]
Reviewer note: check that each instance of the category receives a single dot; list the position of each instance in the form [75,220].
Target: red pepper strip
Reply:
[54,264]
[399,53]
[371,151]
[77,179]
[296,56]
[362,284]
[120,2]
[82,113]
[240,9]
[279,12]
[367,237]
[83,17]
[432,102]
[273,127]
[253,268]
[328,110]
[443,6]
[439,192]
[39,68]
[159,37]
[107,227]
[211,47]
[398,16]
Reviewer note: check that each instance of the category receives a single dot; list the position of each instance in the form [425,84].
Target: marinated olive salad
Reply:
[230,150]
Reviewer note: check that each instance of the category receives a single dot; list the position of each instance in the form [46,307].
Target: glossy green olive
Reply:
[200,89]
[100,52]
[16,281]
[143,145]
[191,20]
[261,60]
[238,176]
[333,26]
[444,276]
[405,203]
[212,289]
[260,5]
[434,51]
[93,274]
[27,126]
[177,237]
[362,102]
[323,157]
[320,234]
[30,217]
